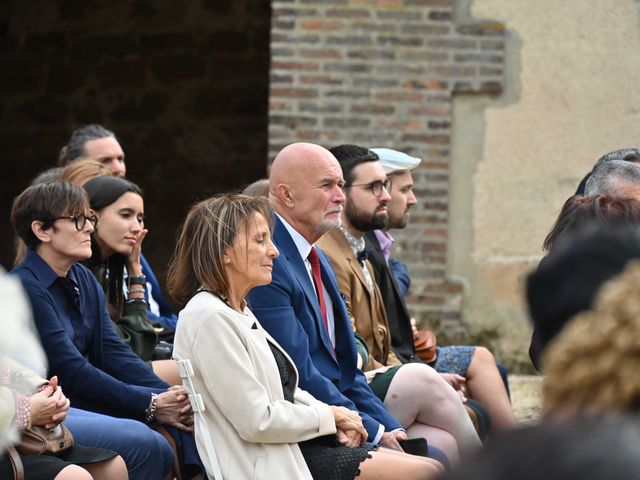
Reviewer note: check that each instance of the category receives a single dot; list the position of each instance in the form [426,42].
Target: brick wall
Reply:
[183,84]
[383,73]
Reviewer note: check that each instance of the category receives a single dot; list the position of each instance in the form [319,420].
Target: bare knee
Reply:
[424,374]
[389,464]
[484,355]
[114,469]
[73,472]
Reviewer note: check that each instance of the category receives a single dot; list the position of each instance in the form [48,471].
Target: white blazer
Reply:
[254,429]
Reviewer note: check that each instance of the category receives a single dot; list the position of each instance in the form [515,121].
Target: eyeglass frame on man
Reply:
[373,186]
[87,218]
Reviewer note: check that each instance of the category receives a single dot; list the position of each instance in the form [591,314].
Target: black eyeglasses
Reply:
[80,220]
[375,187]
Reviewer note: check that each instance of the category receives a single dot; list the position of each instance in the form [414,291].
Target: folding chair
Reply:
[186,372]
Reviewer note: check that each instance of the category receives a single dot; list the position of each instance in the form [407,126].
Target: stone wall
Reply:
[383,73]
[183,84]
[571,94]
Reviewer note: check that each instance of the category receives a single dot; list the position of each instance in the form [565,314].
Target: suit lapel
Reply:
[343,328]
[299,272]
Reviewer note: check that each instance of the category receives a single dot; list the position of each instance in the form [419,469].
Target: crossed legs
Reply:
[486,386]
[427,406]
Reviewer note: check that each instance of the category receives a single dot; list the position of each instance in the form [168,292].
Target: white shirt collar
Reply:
[301,243]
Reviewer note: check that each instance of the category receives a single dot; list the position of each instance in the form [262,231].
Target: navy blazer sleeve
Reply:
[280,307]
[401,274]
[124,386]
[166,316]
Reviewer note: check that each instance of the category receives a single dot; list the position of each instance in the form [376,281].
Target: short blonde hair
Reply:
[83,170]
[210,228]
[593,363]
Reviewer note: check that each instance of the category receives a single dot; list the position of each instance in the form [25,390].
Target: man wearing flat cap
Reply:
[392,278]
[473,366]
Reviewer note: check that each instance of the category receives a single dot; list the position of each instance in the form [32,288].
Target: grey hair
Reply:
[629,154]
[75,148]
[609,176]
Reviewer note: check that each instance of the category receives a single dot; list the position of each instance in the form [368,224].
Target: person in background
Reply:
[630,154]
[95,142]
[415,394]
[81,171]
[591,366]
[259,188]
[602,447]
[468,368]
[566,283]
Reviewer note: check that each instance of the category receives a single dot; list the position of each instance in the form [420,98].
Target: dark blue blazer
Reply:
[111,379]
[288,309]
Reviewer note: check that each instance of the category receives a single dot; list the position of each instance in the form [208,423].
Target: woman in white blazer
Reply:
[255,413]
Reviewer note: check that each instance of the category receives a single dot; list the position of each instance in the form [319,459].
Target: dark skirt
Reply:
[46,467]
[327,459]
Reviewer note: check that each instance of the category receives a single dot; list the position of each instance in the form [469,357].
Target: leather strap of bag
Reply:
[16,463]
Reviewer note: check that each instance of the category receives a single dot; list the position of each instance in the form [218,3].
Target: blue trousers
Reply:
[147,454]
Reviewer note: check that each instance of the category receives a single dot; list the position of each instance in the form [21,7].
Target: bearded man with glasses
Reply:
[414,393]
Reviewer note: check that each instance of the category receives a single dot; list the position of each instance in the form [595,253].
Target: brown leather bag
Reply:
[40,441]
[16,463]
[424,343]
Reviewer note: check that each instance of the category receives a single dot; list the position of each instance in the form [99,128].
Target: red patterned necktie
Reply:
[314,260]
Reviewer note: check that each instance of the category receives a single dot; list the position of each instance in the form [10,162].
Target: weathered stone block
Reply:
[321,107]
[371,54]
[347,67]
[440,15]
[386,41]
[411,16]
[348,13]
[294,92]
[279,12]
[348,122]
[361,40]
[373,109]
[321,53]
[321,80]
[294,66]
[293,121]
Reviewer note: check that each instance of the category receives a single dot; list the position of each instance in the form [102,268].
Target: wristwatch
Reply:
[150,412]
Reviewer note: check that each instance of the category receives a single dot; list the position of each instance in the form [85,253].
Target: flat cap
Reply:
[394,161]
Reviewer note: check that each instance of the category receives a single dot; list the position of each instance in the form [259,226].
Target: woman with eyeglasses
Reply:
[100,373]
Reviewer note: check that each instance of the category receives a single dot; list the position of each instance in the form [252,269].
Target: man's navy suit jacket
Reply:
[289,310]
